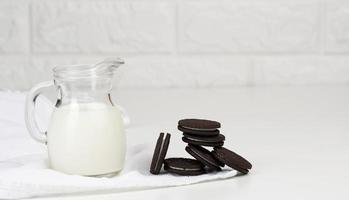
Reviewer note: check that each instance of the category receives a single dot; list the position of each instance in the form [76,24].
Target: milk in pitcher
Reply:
[86,139]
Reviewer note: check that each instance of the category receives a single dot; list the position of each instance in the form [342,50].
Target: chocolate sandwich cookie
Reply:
[232,159]
[215,141]
[199,124]
[199,132]
[204,156]
[159,153]
[217,138]
[184,166]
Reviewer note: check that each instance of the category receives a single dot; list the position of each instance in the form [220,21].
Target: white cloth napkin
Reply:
[24,171]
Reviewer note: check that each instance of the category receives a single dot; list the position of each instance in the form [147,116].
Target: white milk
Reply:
[86,139]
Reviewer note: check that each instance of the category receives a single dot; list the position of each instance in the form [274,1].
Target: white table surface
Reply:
[297,139]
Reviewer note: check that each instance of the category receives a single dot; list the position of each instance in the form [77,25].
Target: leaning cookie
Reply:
[232,159]
[184,166]
[159,153]
[205,157]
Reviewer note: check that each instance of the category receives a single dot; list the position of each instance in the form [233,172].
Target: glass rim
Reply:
[104,69]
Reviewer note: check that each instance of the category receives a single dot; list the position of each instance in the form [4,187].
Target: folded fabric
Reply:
[29,176]
[24,170]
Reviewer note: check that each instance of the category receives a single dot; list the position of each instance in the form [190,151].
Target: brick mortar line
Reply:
[176,30]
[149,57]
[30,26]
[323,24]
[277,54]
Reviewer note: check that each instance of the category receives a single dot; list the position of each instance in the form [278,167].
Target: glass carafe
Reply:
[85,135]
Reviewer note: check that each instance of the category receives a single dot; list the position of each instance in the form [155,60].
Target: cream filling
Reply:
[185,169]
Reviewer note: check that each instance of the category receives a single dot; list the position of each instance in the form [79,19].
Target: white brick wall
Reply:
[102,27]
[178,43]
[241,27]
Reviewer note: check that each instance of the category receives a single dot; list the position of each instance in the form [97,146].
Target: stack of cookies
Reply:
[199,134]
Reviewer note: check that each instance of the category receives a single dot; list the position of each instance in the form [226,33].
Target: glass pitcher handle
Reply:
[30,121]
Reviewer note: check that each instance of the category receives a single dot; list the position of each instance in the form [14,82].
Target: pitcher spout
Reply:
[109,64]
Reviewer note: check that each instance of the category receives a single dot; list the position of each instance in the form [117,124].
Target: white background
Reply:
[175,43]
